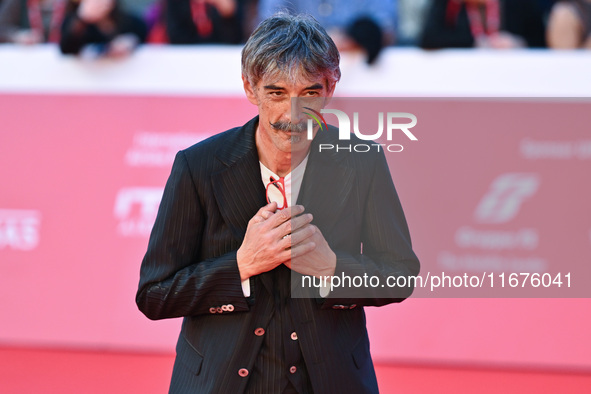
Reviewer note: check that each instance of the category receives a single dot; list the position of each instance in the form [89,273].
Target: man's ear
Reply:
[249,90]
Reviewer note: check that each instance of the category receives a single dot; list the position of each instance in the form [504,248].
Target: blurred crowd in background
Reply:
[116,27]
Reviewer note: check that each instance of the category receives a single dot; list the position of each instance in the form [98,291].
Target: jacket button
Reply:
[292,369]
[259,332]
[219,309]
[243,372]
[212,310]
[230,307]
[352,306]
[294,336]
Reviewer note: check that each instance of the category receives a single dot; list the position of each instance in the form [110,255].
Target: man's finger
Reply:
[302,249]
[284,256]
[269,208]
[292,225]
[301,235]
[265,212]
[300,221]
[286,214]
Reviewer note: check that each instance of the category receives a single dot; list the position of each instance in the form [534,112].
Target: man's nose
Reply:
[296,113]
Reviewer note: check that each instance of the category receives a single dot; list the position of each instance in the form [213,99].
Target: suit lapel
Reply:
[237,187]
[326,185]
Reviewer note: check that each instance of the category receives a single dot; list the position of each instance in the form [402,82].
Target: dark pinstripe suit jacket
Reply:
[190,267]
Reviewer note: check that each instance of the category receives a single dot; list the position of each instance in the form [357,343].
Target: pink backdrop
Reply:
[495,185]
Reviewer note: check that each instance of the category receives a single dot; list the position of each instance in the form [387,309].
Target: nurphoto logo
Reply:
[393,123]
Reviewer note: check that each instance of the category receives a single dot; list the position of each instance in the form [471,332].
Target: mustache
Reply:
[288,126]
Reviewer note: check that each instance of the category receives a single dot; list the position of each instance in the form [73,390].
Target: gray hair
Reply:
[291,46]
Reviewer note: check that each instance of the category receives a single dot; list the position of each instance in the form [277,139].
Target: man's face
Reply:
[282,129]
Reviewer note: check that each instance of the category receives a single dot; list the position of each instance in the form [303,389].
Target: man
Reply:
[227,237]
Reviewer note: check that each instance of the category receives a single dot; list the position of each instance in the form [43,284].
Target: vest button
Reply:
[259,331]
[243,372]
[292,369]
[294,336]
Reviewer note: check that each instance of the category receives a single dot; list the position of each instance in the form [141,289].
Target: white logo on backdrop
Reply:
[19,229]
[532,149]
[136,209]
[157,149]
[505,196]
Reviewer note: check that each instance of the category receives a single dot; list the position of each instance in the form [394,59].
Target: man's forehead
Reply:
[301,82]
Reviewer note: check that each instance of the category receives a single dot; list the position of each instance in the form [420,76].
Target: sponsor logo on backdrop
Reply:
[394,124]
[505,196]
[136,209]
[158,149]
[19,229]
[533,149]
[524,239]
[500,248]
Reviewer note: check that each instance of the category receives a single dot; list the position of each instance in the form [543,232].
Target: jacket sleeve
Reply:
[387,262]
[173,281]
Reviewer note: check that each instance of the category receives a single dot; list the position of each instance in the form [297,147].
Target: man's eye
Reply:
[312,93]
[276,94]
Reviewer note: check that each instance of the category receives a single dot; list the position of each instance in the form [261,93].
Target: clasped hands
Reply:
[287,236]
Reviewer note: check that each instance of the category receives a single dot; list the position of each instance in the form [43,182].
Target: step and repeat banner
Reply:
[496,194]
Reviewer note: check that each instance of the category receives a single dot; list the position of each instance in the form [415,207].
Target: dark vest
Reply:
[280,367]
